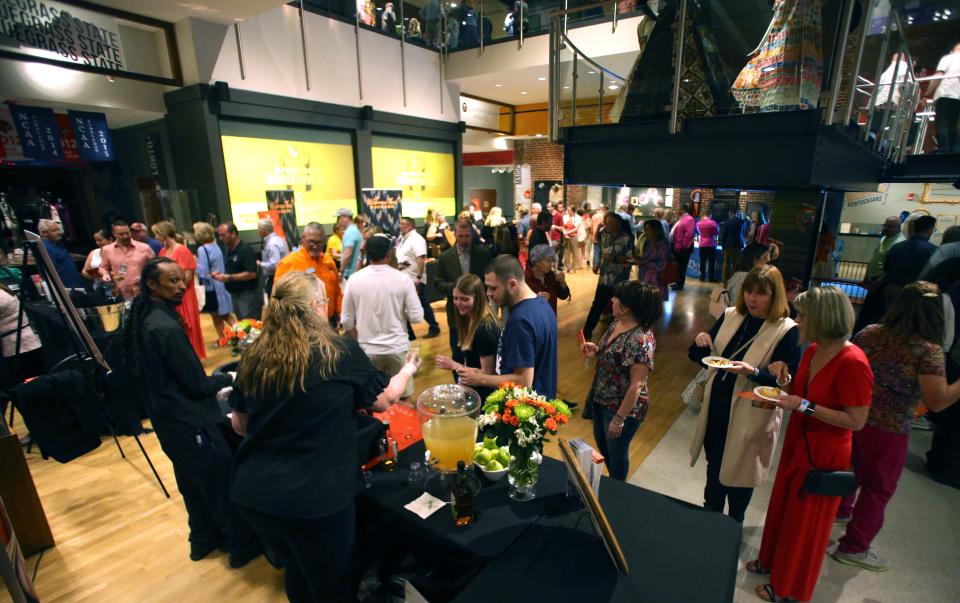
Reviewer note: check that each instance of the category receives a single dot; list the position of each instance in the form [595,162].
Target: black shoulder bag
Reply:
[824,482]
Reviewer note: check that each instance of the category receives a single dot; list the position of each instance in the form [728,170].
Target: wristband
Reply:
[810,408]
[756,373]
[804,405]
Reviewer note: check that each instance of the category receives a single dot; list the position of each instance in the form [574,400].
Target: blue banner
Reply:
[93,135]
[38,132]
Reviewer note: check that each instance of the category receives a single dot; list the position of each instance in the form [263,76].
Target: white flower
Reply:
[486,419]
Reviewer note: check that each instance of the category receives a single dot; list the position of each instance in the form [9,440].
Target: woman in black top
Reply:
[760,330]
[478,327]
[297,388]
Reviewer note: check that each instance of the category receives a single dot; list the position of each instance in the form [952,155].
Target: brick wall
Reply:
[546,163]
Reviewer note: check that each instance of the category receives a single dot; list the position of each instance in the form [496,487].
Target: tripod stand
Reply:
[93,367]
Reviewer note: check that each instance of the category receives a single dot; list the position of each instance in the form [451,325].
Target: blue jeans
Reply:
[615,451]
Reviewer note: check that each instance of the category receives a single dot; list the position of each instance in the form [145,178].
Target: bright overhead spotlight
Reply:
[498,85]
[592,72]
[613,87]
[524,92]
[566,87]
[539,135]
[542,79]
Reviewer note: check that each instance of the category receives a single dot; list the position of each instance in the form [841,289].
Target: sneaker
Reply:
[433,332]
[841,521]
[922,423]
[867,560]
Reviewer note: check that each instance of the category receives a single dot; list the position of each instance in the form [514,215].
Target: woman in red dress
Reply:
[189,309]
[830,397]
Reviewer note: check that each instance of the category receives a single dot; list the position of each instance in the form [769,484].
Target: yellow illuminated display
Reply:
[427,179]
[319,174]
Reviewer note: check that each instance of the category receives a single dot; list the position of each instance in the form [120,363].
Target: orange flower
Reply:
[515,420]
[551,409]
[241,334]
[223,341]
[228,332]
[561,419]
[511,403]
[551,424]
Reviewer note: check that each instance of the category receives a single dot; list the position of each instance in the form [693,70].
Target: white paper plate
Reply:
[757,391]
[711,361]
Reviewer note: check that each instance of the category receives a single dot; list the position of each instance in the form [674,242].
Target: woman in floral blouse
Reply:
[656,256]
[624,360]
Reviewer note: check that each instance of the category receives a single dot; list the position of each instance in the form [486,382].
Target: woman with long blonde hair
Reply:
[478,328]
[296,391]
[189,308]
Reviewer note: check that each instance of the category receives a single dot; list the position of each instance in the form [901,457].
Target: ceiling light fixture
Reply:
[524,92]
[613,87]
[592,72]
[498,85]
[542,79]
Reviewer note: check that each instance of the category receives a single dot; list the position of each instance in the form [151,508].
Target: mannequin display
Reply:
[705,78]
[785,71]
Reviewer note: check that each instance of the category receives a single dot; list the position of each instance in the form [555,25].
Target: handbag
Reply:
[826,482]
[694,391]
[719,301]
[670,273]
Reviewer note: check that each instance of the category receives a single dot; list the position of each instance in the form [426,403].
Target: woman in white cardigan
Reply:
[738,434]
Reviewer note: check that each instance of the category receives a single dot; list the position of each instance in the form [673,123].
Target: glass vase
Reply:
[522,474]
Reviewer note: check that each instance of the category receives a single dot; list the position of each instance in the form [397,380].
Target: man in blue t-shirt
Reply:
[527,353]
[63,262]
[352,239]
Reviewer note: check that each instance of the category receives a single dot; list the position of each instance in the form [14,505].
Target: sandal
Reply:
[754,567]
[765,592]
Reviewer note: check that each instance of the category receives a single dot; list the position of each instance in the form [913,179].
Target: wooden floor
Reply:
[119,539]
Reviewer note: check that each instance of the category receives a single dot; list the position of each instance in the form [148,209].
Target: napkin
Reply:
[424,505]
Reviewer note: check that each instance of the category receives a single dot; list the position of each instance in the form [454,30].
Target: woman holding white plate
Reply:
[739,434]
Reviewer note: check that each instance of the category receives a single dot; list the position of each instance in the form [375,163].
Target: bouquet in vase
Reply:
[240,335]
[521,419]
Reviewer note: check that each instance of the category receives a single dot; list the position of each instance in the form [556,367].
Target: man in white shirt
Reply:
[275,248]
[888,94]
[946,102]
[377,304]
[412,260]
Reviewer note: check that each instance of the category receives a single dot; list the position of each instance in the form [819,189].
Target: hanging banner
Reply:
[93,135]
[67,138]
[60,31]
[10,148]
[155,159]
[382,208]
[38,131]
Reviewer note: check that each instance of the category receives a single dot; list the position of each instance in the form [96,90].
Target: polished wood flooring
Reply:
[119,539]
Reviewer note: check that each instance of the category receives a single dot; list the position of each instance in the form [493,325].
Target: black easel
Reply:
[92,364]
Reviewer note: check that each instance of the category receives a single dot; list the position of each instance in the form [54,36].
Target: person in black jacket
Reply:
[297,388]
[466,257]
[181,402]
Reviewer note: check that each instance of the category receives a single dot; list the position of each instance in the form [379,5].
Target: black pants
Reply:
[948,123]
[944,454]
[428,314]
[708,264]
[715,494]
[600,300]
[316,553]
[558,246]
[203,466]
[683,260]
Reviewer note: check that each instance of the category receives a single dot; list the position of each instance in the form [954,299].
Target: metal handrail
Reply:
[578,52]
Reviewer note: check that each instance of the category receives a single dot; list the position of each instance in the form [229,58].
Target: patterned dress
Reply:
[785,72]
[656,256]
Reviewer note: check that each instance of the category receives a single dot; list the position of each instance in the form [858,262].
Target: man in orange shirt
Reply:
[311,259]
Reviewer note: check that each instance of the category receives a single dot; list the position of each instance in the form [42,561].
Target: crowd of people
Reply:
[337,336]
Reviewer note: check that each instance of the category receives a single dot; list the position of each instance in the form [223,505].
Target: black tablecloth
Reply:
[500,523]
[675,551]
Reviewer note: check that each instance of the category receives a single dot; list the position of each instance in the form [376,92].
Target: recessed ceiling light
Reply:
[566,87]
[498,85]
[592,72]
[542,79]
[613,86]
[524,92]
[539,135]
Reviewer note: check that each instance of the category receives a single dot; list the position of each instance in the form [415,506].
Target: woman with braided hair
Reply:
[180,401]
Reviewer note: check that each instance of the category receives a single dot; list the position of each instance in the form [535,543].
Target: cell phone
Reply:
[581,337]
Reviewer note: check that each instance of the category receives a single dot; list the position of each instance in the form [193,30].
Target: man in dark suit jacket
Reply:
[450,267]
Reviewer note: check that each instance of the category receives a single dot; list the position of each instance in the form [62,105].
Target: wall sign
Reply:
[60,31]
[92,134]
[38,132]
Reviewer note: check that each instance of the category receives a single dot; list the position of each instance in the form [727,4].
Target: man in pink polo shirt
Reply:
[683,244]
[122,262]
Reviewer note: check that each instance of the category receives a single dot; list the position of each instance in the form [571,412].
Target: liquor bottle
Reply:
[388,449]
[461,497]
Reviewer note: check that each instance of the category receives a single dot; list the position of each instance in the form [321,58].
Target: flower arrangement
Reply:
[240,335]
[522,419]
